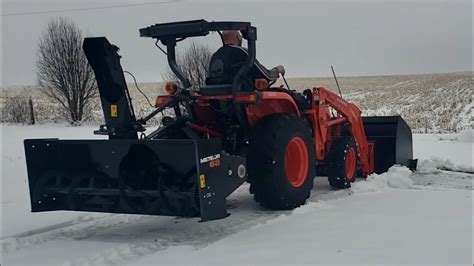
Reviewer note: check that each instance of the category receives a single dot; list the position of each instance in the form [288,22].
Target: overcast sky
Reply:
[307,37]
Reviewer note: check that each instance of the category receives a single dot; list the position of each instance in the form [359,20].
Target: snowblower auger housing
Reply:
[132,176]
[210,141]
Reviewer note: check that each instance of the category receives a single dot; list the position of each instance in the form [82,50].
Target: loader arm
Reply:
[347,113]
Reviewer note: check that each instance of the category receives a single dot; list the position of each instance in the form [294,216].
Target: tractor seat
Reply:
[224,65]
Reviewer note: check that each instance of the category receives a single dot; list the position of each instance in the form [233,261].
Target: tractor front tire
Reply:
[342,162]
[281,162]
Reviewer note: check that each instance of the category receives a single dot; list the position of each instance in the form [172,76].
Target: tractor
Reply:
[236,128]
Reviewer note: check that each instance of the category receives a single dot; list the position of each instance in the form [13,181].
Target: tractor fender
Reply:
[271,103]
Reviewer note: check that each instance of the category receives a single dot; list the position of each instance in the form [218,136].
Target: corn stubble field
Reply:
[432,103]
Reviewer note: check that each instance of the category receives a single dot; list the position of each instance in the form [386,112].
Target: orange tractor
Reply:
[236,128]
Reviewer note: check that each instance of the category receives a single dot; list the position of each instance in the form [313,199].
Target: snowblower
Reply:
[237,128]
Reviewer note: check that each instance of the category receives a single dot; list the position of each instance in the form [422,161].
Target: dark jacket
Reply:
[227,61]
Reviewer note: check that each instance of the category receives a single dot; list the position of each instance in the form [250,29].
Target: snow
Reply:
[396,177]
[377,228]
[435,164]
[397,217]
[451,150]
[466,136]
[15,193]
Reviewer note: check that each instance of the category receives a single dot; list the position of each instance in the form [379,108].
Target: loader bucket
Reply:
[189,178]
[392,140]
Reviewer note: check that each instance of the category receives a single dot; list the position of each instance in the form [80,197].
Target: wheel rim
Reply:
[296,161]
[350,164]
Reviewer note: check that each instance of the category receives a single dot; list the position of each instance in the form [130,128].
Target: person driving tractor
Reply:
[227,60]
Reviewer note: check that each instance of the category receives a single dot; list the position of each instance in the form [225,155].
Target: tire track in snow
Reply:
[442,180]
[198,236]
[108,227]
[67,230]
[46,229]
[136,243]
[245,216]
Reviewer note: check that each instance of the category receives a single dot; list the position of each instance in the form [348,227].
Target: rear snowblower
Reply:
[228,132]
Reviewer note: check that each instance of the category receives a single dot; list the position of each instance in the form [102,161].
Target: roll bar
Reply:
[171,33]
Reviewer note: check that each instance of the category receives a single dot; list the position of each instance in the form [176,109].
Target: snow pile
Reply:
[427,167]
[458,146]
[395,177]
[435,165]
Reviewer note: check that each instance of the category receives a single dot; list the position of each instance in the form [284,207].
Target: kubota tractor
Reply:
[236,128]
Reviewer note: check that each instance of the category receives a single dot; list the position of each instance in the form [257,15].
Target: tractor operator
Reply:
[226,61]
[233,37]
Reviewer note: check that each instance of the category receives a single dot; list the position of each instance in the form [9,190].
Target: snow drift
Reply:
[396,177]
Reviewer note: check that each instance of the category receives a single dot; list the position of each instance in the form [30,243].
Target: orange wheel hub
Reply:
[296,161]
[351,160]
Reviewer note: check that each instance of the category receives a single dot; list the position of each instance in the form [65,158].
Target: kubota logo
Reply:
[210,158]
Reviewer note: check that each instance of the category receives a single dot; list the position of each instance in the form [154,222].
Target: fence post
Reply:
[32,112]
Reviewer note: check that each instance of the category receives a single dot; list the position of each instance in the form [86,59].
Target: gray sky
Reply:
[357,37]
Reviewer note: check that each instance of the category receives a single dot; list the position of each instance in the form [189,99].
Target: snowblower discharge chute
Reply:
[228,132]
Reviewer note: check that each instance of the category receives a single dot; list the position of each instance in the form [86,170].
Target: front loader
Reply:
[237,128]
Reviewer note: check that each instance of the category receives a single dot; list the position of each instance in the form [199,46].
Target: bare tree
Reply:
[194,63]
[63,72]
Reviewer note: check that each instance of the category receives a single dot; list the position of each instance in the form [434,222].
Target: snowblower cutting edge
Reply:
[236,128]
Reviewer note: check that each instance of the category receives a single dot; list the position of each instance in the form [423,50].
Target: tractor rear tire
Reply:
[342,162]
[281,162]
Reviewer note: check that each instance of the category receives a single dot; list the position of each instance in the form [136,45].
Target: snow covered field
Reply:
[447,109]
[395,218]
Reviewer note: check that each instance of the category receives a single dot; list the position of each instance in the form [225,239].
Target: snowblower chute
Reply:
[210,139]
